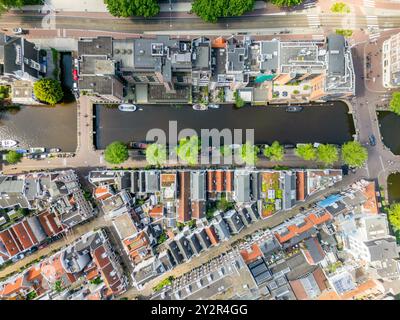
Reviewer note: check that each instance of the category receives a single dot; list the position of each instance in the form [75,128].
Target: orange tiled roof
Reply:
[370,206]
[210,181]
[211,235]
[300,188]
[218,43]
[10,241]
[250,255]
[183,203]
[229,181]
[156,212]
[13,287]
[102,193]
[219,181]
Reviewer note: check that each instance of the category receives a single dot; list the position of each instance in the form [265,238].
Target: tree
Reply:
[211,10]
[286,3]
[156,154]
[7,4]
[48,91]
[275,151]
[249,153]
[128,8]
[340,7]
[327,153]
[13,157]
[306,152]
[224,205]
[116,153]
[354,154]
[395,103]
[188,150]
[394,216]
[239,102]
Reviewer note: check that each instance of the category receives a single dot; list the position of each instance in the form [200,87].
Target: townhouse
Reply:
[213,70]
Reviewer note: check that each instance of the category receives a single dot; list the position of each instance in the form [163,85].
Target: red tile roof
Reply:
[13,287]
[220,181]
[198,209]
[9,240]
[102,193]
[211,235]
[229,181]
[138,247]
[210,181]
[183,202]
[50,223]
[157,212]
[251,255]
[21,230]
[300,188]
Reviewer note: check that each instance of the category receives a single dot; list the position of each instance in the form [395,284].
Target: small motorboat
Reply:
[8,143]
[37,150]
[294,109]
[127,107]
[200,107]
[213,106]
[54,150]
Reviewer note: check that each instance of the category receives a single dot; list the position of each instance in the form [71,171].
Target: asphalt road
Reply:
[138,25]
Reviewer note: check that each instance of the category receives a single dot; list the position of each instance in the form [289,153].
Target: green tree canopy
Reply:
[128,8]
[287,3]
[239,102]
[48,91]
[306,151]
[188,150]
[13,157]
[395,103]
[211,10]
[354,154]
[327,153]
[116,153]
[156,154]
[249,153]
[275,151]
[7,4]
[394,216]
[340,7]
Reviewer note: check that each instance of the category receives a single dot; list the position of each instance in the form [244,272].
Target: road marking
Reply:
[314,20]
[383,166]
[369,3]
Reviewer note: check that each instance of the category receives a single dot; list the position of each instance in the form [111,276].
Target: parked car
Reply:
[75,73]
[372,140]
[18,31]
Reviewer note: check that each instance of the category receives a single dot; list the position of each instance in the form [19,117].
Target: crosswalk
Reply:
[314,20]
[369,3]
[373,27]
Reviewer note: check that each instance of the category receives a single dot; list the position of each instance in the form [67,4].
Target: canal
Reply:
[330,123]
[394,187]
[390,130]
[50,127]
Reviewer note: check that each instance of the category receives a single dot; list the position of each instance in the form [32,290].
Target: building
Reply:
[21,65]
[391,62]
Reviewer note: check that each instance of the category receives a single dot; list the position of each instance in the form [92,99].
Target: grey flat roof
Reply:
[95,46]
[269,51]
[336,61]
[198,185]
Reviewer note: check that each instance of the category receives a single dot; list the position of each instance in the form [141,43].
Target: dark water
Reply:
[324,124]
[390,130]
[66,76]
[394,187]
[50,127]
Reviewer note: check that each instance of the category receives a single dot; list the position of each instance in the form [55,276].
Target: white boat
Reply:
[127,107]
[200,107]
[8,143]
[37,150]
[213,106]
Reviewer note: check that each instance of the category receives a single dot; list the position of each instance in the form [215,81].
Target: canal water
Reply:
[325,124]
[390,130]
[50,127]
[394,187]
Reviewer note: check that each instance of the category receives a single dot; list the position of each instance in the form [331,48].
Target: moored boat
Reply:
[127,107]
[294,109]
[8,143]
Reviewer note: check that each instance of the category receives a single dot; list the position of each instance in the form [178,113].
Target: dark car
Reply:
[372,140]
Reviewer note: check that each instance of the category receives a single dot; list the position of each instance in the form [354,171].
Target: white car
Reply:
[18,31]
